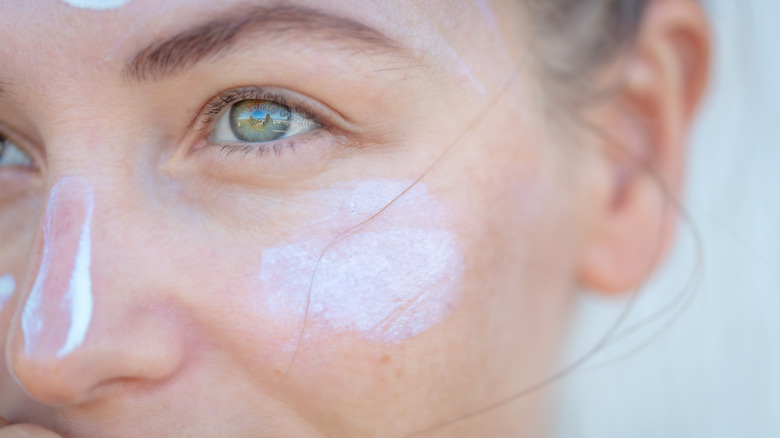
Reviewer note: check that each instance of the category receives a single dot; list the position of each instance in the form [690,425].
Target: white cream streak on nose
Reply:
[79,295]
[76,302]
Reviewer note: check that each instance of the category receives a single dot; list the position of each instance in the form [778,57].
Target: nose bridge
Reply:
[58,310]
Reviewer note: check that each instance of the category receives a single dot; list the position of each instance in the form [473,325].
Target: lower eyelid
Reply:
[263,148]
[260,148]
[267,164]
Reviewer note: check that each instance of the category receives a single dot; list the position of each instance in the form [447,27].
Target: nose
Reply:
[78,331]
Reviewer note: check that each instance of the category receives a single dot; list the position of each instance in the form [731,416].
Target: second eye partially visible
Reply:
[12,155]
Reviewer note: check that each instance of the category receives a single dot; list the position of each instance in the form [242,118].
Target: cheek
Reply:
[384,282]
[383,278]
[18,220]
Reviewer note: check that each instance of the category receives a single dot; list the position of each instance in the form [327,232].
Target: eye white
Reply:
[12,155]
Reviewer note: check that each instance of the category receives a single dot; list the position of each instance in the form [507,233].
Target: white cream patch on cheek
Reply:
[97,5]
[392,279]
[387,285]
[58,311]
[486,11]
[464,72]
[7,286]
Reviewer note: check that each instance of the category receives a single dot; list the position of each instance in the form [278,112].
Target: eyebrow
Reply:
[217,37]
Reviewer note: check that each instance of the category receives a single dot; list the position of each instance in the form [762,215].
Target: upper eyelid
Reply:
[219,104]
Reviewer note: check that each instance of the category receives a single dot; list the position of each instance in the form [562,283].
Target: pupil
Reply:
[259,120]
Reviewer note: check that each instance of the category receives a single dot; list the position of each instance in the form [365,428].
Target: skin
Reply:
[175,347]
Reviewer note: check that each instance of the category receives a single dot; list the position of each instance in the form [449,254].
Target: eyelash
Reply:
[221,104]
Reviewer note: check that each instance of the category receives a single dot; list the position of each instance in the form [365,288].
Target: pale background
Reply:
[714,370]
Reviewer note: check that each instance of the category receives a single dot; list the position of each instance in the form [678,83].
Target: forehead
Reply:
[53,34]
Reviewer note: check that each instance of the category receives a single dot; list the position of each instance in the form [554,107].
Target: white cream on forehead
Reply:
[7,286]
[393,278]
[97,5]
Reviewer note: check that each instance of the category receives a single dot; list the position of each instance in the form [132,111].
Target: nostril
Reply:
[111,361]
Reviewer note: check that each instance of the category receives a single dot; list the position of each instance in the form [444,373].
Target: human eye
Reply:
[254,119]
[263,135]
[12,155]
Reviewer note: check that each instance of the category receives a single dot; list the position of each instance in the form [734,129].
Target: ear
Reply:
[646,125]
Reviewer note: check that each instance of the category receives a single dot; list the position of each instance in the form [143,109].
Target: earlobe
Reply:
[645,128]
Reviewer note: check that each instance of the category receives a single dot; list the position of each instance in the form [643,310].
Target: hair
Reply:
[576,39]
[574,42]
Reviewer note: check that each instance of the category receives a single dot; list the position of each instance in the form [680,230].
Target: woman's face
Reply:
[342,218]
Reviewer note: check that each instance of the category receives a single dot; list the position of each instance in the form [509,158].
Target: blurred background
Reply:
[698,355]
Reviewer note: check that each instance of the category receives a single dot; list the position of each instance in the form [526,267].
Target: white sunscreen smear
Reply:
[393,278]
[7,286]
[97,5]
[61,298]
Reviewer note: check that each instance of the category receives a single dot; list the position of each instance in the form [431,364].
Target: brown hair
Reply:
[575,38]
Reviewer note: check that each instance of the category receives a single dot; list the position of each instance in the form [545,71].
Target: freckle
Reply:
[278,373]
[385,358]
[399,373]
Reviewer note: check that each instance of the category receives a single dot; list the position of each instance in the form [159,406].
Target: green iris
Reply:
[260,120]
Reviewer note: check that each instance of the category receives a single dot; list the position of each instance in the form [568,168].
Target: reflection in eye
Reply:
[255,120]
[12,155]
